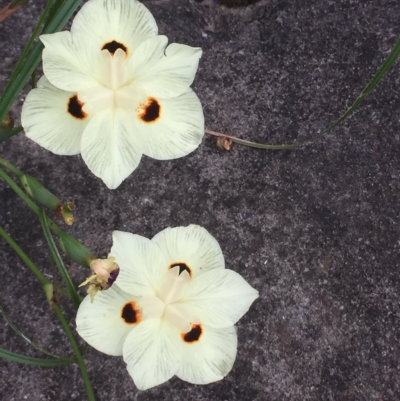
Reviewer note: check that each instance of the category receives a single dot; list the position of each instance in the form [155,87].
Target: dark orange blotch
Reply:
[75,108]
[131,313]
[193,335]
[150,111]
[113,46]
[182,266]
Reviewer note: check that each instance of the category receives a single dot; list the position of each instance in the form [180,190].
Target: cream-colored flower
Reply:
[113,90]
[171,310]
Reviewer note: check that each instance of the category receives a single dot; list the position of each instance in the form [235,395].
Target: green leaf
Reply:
[57,259]
[24,337]
[49,363]
[15,86]
[75,250]
[387,64]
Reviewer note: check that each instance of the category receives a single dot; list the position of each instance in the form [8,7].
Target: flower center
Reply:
[167,305]
[114,88]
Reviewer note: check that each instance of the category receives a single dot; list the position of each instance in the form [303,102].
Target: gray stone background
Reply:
[315,229]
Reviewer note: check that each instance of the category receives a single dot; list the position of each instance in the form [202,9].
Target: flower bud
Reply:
[105,273]
[75,250]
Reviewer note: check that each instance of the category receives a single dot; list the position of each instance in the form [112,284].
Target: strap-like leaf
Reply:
[50,363]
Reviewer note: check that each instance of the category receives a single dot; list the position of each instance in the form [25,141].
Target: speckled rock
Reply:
[315,229]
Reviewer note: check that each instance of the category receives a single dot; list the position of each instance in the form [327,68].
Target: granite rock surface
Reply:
[314,229]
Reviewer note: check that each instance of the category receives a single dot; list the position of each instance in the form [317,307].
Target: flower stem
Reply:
[30,342]
[69,245]
[57,259]
[30,42]
[78,355]
[53,226]
[367,90]
[45,283]
[25,258]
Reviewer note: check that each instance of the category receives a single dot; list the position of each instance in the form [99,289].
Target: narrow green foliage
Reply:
[387,64]
[41,194]
[18,3]
[38,192]
[78,354]
[69,245]
[75,250]
[57,259]
[25,258]
[49,363]
[30,342]
[27,65]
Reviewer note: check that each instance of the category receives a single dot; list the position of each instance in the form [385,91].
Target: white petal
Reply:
[211,357]
[70,66]
[142,266]
[152,352]
[177,132]
[46,120]
[110,147]
[148,54]
[125,21]
[171,75]
[100,323]
[192,245]
[219,298]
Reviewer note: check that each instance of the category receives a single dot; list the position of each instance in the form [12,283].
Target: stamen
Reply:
[75,108]
[194,334]
[131,313]
[150,111]
[113,46]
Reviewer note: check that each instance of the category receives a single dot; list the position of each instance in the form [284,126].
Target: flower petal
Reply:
[70,66]
[219,298]
[100,322]
[210,358]
[172,74]
[147,55]
[152,352]
[178,130]
[142,266]
[46,119]
[124,21]
[110,147]
[193,246]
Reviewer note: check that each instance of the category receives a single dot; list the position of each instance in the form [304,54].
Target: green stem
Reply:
[78,355]
[30,42]
[30,63]
[30,342]
[367,90]
[11,167]
[44,281]
[33,79]
[25,258]
[47,363]
[57,258]
[53,226]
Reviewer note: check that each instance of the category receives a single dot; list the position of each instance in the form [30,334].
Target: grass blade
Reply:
[30,342]
[15,86]
[387,64]
[57,259]
[49,363]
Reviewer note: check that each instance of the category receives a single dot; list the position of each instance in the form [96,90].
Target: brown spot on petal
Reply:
[113,46]
[193,335]
[75,108]
[150,111]
[131,313]
[182,266]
